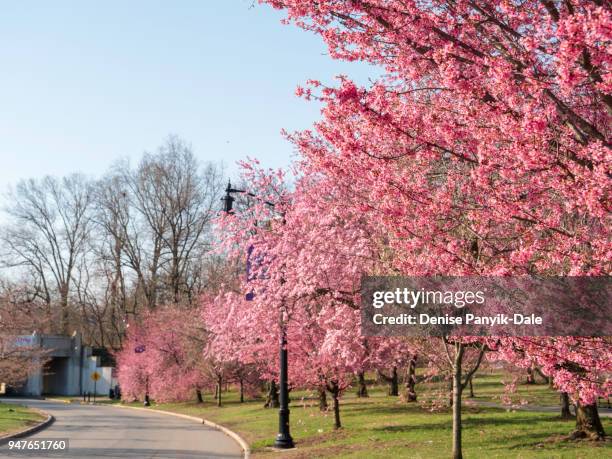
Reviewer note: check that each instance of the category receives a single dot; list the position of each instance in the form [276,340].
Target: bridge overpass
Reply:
[69,368]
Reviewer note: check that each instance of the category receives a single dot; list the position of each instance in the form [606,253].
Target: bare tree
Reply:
[178,202]
[158,216]
[95,254]
[117,249]
[50,223]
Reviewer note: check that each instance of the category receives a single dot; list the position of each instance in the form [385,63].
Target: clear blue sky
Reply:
[85,83]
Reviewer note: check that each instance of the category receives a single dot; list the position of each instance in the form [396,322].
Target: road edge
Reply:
[56,400]
[30,430]
[230,433]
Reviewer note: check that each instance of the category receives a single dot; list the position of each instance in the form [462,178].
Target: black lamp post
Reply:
[228,199]
[283,438]
[147,401]
[139,350]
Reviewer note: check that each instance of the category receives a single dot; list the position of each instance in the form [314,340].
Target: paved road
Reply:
[110,432]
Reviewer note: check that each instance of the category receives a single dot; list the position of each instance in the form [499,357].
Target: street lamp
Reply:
[283,438]
[147,401]
[228,199]
[139,350]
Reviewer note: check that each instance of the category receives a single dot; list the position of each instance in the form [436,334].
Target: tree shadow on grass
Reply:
[415,427]
[468,424]
[374,409]
[494,419]
[534,441]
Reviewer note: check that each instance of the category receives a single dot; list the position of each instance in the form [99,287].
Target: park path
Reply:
[98,431]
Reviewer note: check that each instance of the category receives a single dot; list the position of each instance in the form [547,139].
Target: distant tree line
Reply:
[92,254]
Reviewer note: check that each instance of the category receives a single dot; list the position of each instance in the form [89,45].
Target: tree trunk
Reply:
[457,389]
[450,392]
[545,378]
[64,317]
[272,398]
[588,424]
[362,389]
[322,399]
[471,388]
[530,376]
[241,391]
[199,397]
[394,384]
[176,277]
[565,406]
[219,389]
[392,380]
[411,395]
[335,392]
[337,424]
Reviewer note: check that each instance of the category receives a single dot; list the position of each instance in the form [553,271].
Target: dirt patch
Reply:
[553,439]
[333,435]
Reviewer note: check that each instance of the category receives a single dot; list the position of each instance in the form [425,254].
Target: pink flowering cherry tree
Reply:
[484,150]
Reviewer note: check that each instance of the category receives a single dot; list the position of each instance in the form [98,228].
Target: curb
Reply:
[57,400]
[230,433]
[74,401]
[30,430]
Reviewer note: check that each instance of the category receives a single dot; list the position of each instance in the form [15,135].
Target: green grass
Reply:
[14,418]
[383,427]
[488,387]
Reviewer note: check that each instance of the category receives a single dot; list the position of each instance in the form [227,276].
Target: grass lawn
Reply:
[14,418]
[382,427]
[488,387]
